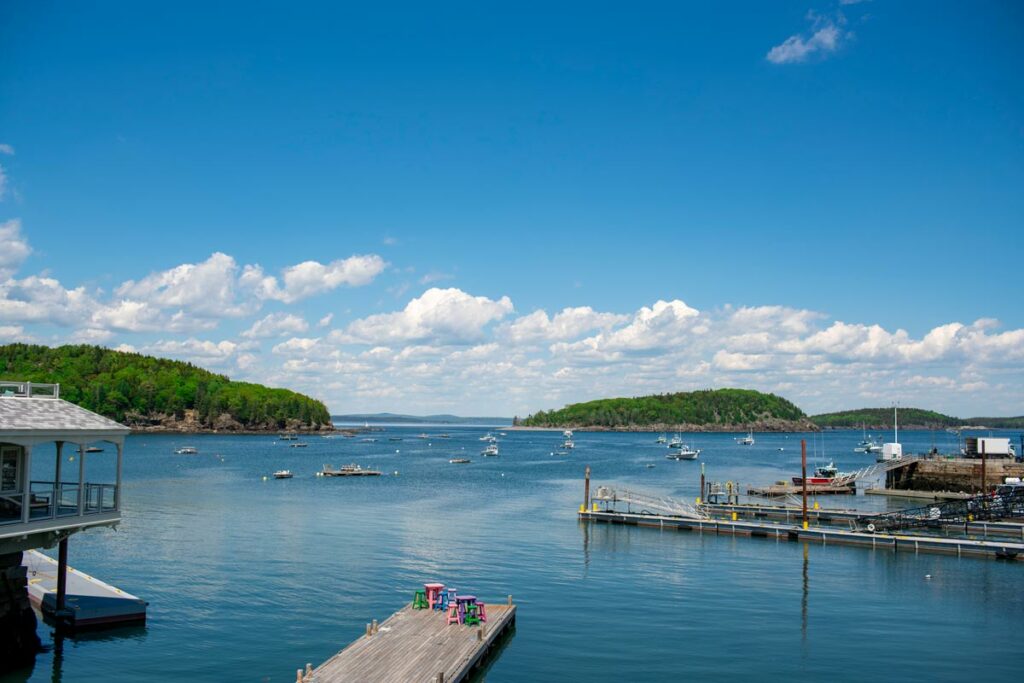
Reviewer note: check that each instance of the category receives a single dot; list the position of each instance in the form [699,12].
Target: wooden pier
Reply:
[416,645]
[783,490]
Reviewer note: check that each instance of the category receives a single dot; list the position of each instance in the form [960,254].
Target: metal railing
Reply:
[29,390]
[49,500]
[649,502]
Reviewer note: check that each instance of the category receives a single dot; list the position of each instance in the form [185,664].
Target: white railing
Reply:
[29,390]
[649,502]
[871,470]
[49,500]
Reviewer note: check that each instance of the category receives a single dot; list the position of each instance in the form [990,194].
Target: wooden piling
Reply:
[803,479]
[62,575]
[586,488]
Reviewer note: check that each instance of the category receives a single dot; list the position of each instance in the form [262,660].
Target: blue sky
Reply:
[829,187]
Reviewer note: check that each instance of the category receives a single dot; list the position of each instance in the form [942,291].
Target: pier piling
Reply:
[803,478]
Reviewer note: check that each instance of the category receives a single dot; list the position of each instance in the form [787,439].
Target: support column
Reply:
[19,643]
[586,489]
[26,485]
[56,479]
[803,477]
[117,487]
[62,574]
[81,479]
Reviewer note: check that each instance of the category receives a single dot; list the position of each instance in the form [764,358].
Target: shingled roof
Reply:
[25,416]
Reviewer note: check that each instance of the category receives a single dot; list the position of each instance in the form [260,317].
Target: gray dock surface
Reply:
[90,602]
[415,645]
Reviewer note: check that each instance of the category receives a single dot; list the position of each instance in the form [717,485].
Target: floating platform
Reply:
[783,490]
[89,601]
[415,645]
[824,535]
[926,495]
[348,471]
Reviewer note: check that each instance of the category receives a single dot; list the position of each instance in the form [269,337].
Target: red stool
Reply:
[481,612]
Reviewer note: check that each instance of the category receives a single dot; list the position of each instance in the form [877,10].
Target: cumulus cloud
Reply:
[569,323]
[449,315]
[825,38]
[312,277]
[14,248]
[208,288]
[276,325]
[37,299]
[651,328]
[200,352]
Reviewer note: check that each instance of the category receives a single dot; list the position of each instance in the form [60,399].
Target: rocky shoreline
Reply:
[770,425]
[224,424]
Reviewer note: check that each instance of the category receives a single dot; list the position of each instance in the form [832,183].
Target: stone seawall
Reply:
[953,475]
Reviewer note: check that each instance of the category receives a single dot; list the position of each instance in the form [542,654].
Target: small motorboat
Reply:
[491,450]
[662,439]
[684,453]
[567,433]
[298,444]
[394,438]
[568,445]
[283,474]
[676,442]
[93,449]
[347,471]
[747,440]
[491,438]
[288,437]
[187,450]
[459,461]
[822,476]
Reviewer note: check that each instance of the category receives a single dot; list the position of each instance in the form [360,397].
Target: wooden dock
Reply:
[783,490]
[416,645]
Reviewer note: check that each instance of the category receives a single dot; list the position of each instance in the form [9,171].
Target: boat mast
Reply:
[895,423]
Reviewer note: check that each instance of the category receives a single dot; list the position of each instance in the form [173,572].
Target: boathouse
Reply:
[60,473]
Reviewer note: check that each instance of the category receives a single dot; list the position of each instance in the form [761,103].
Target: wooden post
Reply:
[374,624]
[803,477]
[982,465]
[62,574]
[298,676]
[510,601]
[586,488]
[702,482]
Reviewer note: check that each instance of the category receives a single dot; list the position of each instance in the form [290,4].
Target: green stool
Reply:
[419,601]
[472,616]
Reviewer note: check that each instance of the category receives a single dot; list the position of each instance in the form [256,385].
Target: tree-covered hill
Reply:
[143,391]
[910,418]
[709,409]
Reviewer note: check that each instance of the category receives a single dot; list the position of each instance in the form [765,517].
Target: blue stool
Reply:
[442,602]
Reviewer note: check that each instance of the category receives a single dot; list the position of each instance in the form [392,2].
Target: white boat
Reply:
[662,439]
[491,438]
[676,442]
[187,450]
[567,433]
[684,453]
[288,437]
[747,440]
[283,474]
[298,444]
[459,461]
[568,445]
[492,449]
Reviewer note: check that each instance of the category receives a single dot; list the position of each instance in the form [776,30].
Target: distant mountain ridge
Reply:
[377,418]
[910,418]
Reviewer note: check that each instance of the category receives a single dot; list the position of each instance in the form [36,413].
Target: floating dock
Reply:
[824,535]
[783,490]
[89,602]
[415,645]
[926,495]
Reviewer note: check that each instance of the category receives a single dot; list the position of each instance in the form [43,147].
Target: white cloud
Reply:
[450,315]
[663,325]
[826,37]
[326,320]
[6,149]
[200,352]
[125,348]
[276,325]
[45,300]
[205,289]
[296,345]
[312,277]
[567,324]
[14,247]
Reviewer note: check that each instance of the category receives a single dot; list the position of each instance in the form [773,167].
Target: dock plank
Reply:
[416,645]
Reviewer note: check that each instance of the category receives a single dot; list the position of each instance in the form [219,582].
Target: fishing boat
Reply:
[489,437]
[347,471]
[676,442]
[823,475]
[747,440]
[684,453]
[283,474]
[567,433]
[568,445]
[662,439]
[491,450]
[459,461]
[187,450]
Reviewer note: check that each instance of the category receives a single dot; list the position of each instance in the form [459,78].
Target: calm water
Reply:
[249,579]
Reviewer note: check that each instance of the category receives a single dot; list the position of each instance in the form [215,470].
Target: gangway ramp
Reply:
[649,502]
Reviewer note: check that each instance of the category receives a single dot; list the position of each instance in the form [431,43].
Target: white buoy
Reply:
[396,473]
[927,577]
[264,477]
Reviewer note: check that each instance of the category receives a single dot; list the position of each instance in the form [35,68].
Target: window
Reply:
[9,456]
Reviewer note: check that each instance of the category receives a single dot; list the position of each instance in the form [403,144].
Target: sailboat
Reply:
[867,444]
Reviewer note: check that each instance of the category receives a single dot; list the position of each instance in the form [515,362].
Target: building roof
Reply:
[54,418]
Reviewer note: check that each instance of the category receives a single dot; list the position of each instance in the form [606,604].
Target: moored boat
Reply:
[822,476]
[491,450]
[459,461]
[684,453]
[283,474]
[187,450]
[352,470]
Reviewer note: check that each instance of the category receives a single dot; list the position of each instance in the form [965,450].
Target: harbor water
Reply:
[248,577]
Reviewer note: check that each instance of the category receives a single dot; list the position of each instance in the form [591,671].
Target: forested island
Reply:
[910,418]
[155,394]
[706,410]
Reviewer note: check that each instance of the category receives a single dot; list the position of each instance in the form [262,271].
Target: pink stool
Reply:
[481,612]
[433,591]
[454,615]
